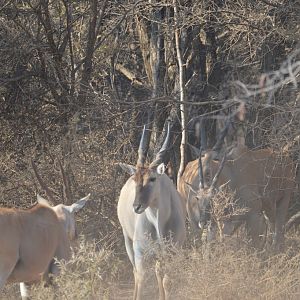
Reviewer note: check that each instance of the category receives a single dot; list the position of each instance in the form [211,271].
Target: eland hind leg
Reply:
[281,212]
[7,265]
[5,271]
[254,229]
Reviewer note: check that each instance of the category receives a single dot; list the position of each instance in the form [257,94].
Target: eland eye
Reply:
[152,179]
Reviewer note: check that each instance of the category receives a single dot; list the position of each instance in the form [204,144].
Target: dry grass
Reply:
[98,271]
[226,273]
[90,274]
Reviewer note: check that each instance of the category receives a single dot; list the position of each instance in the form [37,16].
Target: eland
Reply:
[262,180]
[149,209]
[33,240]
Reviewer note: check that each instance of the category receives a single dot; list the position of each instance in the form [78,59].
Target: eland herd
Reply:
[152,211]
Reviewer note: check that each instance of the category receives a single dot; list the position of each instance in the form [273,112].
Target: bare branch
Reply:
[66,185]
[272,81]
[128,74]
[41,182]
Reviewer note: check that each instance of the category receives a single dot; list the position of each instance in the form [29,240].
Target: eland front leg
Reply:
[163,281]
[281,212]
[139,271]
[130,253]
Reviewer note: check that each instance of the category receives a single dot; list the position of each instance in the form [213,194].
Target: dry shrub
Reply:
[96,271]
[227,207]
[88,275]
[234,274]
[225,204]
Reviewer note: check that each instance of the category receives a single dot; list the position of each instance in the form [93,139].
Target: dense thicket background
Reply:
[78,79]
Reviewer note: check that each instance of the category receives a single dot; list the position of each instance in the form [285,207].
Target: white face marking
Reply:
[161,169]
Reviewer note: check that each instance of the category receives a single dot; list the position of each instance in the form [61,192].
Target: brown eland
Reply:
[262,180]
[33,240]
[149,209]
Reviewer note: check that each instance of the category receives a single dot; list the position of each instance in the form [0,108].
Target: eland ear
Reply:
[161,169]
[128,168]
[75,207]
[41,200]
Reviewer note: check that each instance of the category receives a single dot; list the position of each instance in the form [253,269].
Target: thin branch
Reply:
[128,74]
[42,183]
[270,82]
[182,93]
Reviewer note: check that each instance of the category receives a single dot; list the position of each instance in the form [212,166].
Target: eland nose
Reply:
[136,208]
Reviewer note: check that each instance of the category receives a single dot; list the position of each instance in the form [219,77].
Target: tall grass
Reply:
[222,271]
[226,273]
